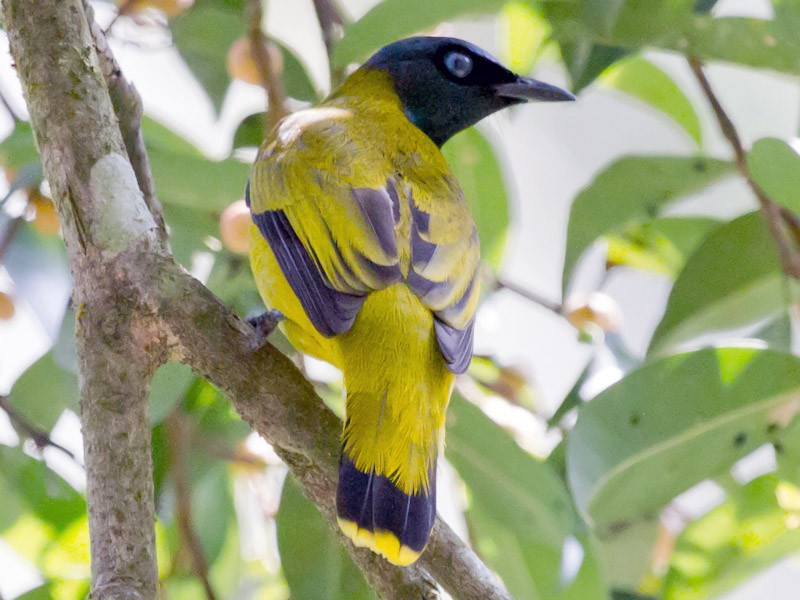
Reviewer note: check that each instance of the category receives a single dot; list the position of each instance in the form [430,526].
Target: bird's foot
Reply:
[263,325]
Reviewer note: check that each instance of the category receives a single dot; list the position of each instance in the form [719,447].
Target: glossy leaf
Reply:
[520,513]
[640,78]
[676,26]
[41,490]
[295,77]
[524,33]
[731,280]
[212,507]
[687,417]
[752,529]
[186,178]
[661,245]
[630,190]
[585,61]
[43,392]
[775,167]
[167,389]
[19,148]
[203,35]
[394,19]
[314,562]
[477,169]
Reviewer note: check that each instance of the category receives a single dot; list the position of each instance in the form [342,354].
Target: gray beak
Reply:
[528,90]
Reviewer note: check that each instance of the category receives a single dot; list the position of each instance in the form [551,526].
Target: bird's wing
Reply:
[334,241]
[445,263]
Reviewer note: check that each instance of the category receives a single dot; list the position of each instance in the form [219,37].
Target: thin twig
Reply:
[271,79]
[40,437]
[773,213]
[129,110]
[499,283]
[330,22]
[178,443]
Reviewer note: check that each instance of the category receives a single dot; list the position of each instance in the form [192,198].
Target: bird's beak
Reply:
[528,90]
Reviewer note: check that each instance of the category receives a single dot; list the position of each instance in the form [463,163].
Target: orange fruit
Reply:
[242,65]
[596,309]
[6,307]
[45,220]
[234,227]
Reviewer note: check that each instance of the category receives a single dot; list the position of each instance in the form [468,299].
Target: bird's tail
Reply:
[375,513]
[386,499]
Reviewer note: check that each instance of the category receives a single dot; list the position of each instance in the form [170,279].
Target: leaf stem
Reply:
[178,435]
[776,216]
[40,437]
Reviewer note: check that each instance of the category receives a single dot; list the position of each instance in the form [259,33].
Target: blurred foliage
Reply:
[587,522]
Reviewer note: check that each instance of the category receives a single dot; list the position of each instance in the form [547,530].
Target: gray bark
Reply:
[137,308]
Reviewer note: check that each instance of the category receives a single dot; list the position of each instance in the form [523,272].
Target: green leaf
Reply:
[775,167]
[661,245]
[520,513]
[314,562]
[676,26]
[295,77]
[640,78]
[734,541]
[44,492]
[168,388]
[586,61]
[203,35]
[477,169]
[777,333]
[212,506]
[250,132]
[630,190]
[186,178]
[43,392]
[394,19]
[19,148]
[523,35]
[686,417]
[733,279]
[189,229]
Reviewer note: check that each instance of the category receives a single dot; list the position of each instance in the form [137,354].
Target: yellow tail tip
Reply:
[380,542]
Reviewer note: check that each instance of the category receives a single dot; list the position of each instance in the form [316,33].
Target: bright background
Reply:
[546,154]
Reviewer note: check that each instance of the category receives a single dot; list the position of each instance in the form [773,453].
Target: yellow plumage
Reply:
[397,380]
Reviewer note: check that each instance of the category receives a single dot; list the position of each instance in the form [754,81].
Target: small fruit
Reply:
[242,64]
[596,309]
[234,227]
[170,8]
[6,307]
[45,220]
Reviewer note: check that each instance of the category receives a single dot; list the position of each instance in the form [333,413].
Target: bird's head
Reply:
[447,84]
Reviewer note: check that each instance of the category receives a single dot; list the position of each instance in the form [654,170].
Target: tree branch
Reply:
[128,107]
[137,308]
[271,79]
[106,226]
[774,214]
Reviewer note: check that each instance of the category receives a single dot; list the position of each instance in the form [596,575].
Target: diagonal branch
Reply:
[776,217]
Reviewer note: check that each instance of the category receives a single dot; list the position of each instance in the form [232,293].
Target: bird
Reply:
[363,242]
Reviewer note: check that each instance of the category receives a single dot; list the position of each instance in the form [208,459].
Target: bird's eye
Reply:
[458,64]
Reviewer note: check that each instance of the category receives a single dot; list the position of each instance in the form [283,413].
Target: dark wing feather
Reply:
[331,312]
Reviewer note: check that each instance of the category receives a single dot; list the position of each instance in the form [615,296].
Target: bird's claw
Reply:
[263,325]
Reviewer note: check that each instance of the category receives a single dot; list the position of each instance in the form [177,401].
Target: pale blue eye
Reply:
[458,64]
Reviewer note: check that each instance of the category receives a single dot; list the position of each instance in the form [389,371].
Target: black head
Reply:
[446,84]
